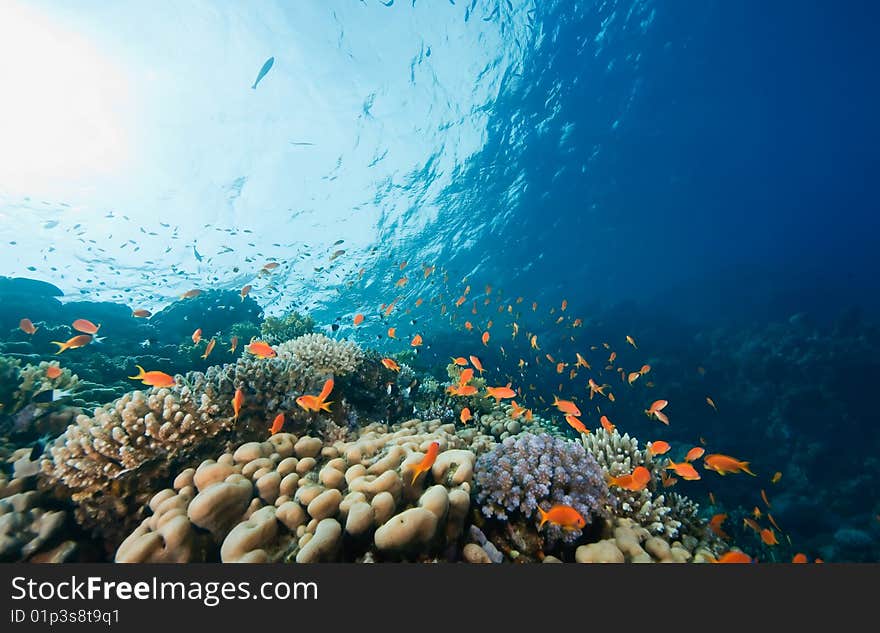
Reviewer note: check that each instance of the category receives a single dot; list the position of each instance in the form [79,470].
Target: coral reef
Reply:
[303,499]
[625,541]
[619,455]
[532,471]
[103,461]
[276,330]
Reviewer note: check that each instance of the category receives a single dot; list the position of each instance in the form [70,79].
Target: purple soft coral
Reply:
[529,470]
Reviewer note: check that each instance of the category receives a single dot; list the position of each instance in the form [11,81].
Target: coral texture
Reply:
[530,471]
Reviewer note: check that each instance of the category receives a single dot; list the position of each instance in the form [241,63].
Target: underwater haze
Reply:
[674,200]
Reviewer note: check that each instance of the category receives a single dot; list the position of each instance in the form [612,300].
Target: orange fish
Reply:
[656,411]
[659,447]
[630,340]
[764,497]
[695,453]
[465,376]
[645,369]
[534,341]
[261,349]
[416,340]
[564,305]
[461,361]
[564,516]
[461,390]
[581,361]
[715,524]
[141,314]
[277,424]
[756,512]
[197,336]
[724,464]
[52,372]
[635,481]
[392,332]
[427,461]
[319,402]
[577,323]
[400,283]
[389,363]
[153,378]
[594,388]
[477,364]
[612,357]
[427,270]
[468,326]
[566,406]
[734,557]
[85,326]
[752,524]
[73,343]
[237,401]
[189,294]
[465,416]
[685,470]
[799,558]
[576,424]
[499,393]
[358,319]
[244,291]
[773,521]
[271,266]
[209,348]
[485,337]
[419,301]
[460,301]
[390,306]
[515,410]
[667,479]
[768,536]
[632,377]
[560,367]
[233,344]
[606,424]
[27,326]
[711,403]
[776,477]
[403,264]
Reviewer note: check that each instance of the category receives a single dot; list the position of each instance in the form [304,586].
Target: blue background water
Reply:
[667,167]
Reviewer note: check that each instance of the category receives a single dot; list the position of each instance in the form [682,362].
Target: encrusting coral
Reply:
[301,499]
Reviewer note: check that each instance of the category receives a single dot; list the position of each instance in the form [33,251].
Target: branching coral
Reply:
[530,471]
[619,455]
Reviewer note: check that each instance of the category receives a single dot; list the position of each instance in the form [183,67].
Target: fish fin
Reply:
[61,346]
[325,391]
[543,516]
[745,468]
[325,406]
[141,372]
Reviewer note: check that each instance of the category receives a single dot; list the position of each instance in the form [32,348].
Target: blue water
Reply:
[692,173]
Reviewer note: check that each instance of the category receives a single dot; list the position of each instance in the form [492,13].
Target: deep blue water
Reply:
[694,174]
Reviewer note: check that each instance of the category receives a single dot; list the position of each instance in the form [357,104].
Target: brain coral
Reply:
[531,470]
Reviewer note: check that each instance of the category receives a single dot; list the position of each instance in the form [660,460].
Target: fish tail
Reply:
[325,406]
[543,516]
[61,346]
[745,467]
[416,473]
[140,375]
[325,391]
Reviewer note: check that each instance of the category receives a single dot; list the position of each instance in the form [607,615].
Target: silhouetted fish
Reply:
[265,69]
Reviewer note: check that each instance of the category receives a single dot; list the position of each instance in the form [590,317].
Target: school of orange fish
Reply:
[587,386]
